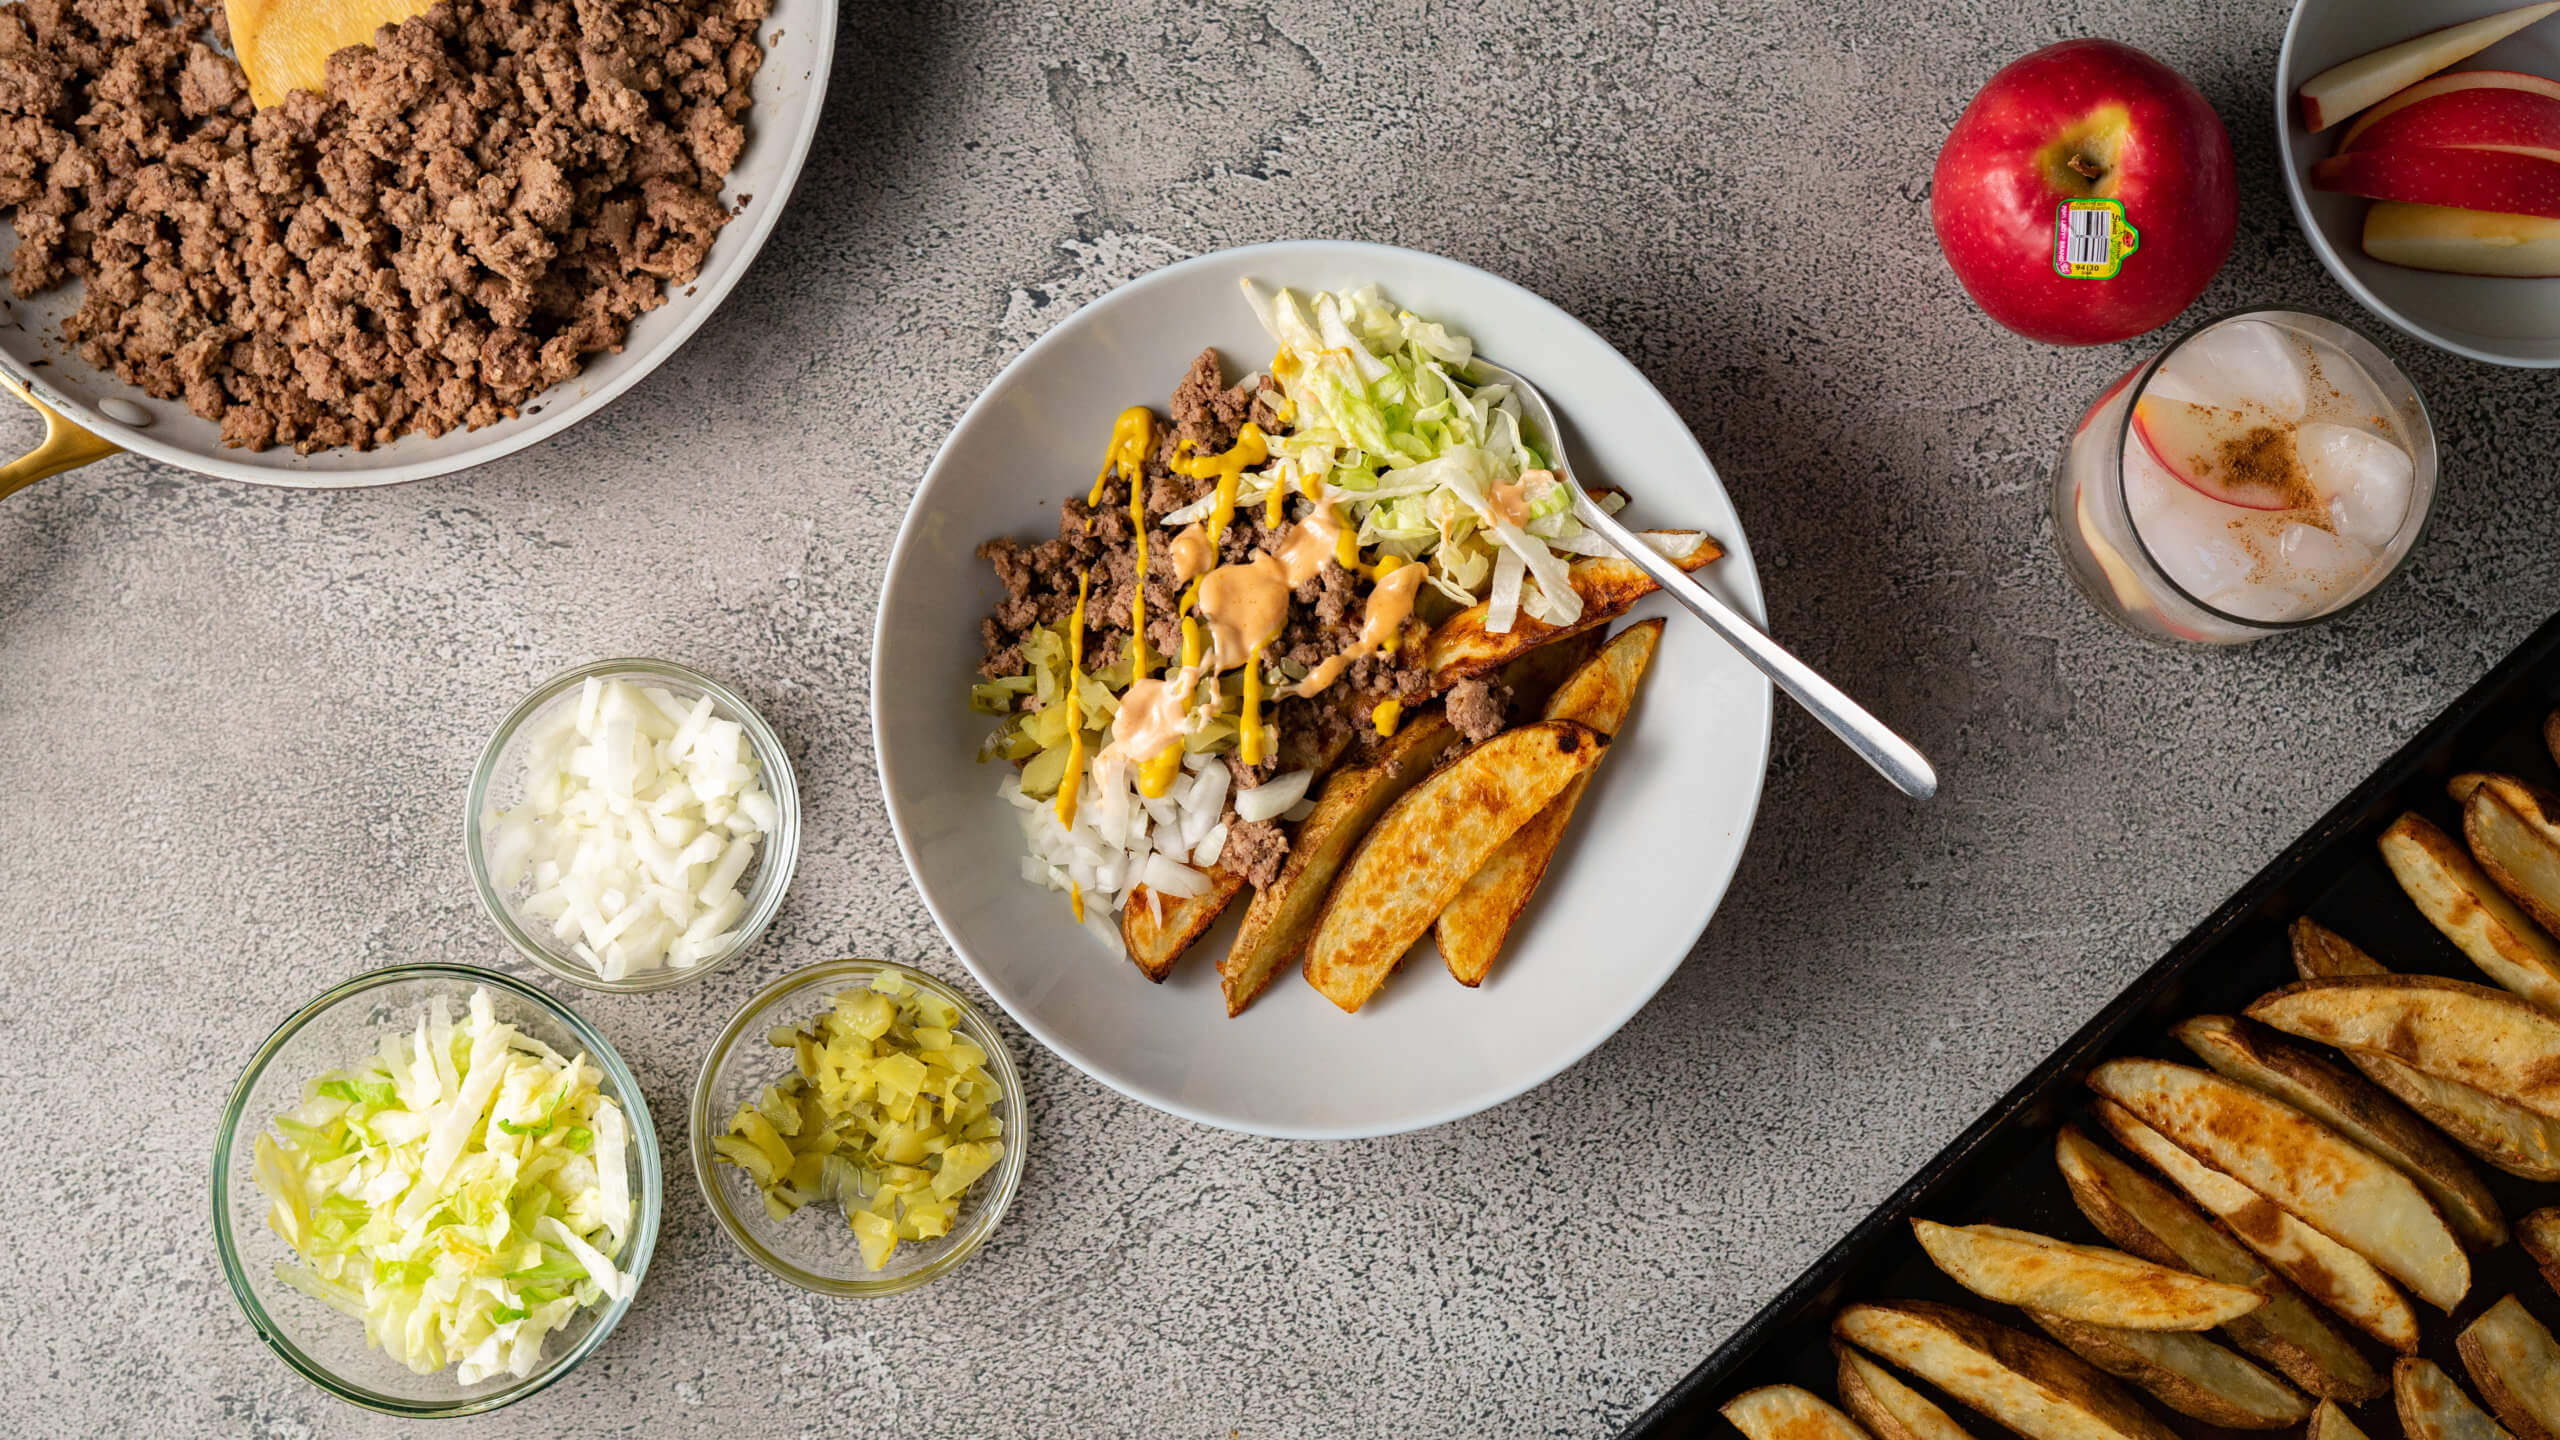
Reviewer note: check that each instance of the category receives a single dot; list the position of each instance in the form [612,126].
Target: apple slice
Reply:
[2483,117]
[2200,443]
[2497,180]
[2342,90]
[2462,242]
[2433,86]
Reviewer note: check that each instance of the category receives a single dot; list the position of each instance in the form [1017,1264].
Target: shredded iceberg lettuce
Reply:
[1426,463]
[463,1193]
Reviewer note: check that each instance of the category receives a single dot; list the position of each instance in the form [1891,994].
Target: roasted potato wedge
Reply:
[2516,1365]
[2320,953]
[2515,1140]
[2469,1034]
[2032,1386]
[2540,1232]
[2432,1407]
[2080,1282]
[1155,944]
[1462,648]
[2331,1423]
[2327,1181]
[2514,832]
[2145,1217]
[1532,679]
[1283,914]
[1427,844]
[1471,930]
[2188,1373]
[2357,1109]
[2330,1273]
[2471,910]
[1786,1412]
[1888,1408]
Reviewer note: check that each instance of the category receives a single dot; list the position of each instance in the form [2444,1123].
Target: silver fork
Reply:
[1891,755]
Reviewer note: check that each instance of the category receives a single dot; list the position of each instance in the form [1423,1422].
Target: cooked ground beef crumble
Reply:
[485,197]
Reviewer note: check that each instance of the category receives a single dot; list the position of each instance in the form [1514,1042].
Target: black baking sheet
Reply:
[2001,1169]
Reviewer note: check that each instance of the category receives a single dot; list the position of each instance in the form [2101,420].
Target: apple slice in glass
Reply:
[2200,445]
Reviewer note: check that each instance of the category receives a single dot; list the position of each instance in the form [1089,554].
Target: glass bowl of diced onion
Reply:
[639,882]
[815,1247]
[345,1029]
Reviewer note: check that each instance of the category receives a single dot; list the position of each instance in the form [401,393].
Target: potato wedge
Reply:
[1461,647]
[2540,1232]
[1155,944]
[2513,830]
[1888,1408]
[1471,930]
[2515,1140]
[2471,910]
[2432,1407]
[2355,1108]
[1428,843]
[2515,1364]
[2328,1272]
[2186,1372]
[1786,1412]
[2331,1423]
[2146,1218]
[2032,1386]
[1533,678]
[2327,1181]
[2080,1282]
[1283,914]
[2470,1034]
[2320,953]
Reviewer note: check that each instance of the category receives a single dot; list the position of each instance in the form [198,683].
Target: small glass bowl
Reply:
[344,1026]
[498,780]
[815,1249]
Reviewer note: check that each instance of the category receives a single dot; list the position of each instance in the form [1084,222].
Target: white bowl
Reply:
[2502,321]
[1650,853]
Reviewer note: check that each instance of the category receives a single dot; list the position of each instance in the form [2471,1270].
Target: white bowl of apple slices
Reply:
[2422,152]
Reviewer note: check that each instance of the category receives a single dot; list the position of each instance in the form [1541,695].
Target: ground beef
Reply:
[1479,708]
[1207,412]
[483,198]
[1255,849]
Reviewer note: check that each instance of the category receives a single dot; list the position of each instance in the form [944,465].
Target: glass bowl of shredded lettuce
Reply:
[436,1190]
[816,1245]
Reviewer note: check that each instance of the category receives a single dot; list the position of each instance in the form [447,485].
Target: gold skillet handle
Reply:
[65,446]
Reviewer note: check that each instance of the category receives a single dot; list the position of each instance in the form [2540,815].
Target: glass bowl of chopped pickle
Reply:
[435,1190]
[632,825]
[858,1128]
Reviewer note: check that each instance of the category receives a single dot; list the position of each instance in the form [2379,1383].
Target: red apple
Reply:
[2192,442]
[2085,119]
[2429,89]
[2491,117]
[2506,181]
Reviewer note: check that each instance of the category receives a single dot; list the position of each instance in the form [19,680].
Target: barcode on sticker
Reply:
[2086,236]
[2091,239]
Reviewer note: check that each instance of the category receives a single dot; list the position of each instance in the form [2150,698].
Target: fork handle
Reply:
[1892,756]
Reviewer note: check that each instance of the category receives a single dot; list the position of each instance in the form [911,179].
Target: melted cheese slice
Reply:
[285,45]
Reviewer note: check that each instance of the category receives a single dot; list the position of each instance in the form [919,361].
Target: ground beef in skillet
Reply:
[482,200]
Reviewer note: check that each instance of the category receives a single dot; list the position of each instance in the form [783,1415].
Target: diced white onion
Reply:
[1273,796]
[640,819]
[1179,881]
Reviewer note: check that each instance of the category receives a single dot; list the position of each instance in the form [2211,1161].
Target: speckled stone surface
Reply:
[239,722]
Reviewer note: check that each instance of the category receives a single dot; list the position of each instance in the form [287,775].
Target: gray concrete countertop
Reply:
[239,721]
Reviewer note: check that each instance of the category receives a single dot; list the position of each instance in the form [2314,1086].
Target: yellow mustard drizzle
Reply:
[1227,468]
[1384,719]
[1132,435]
[1074,781]
[1075,900]
[1251,746]
[1155,777]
